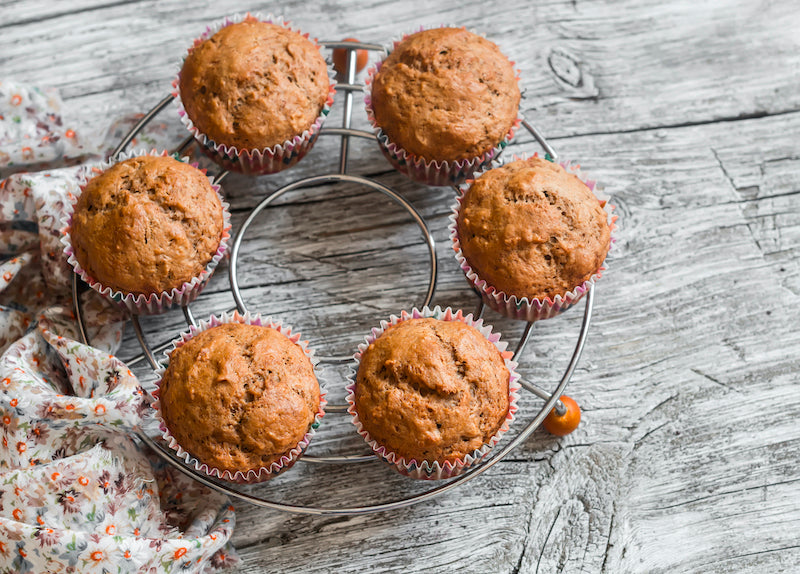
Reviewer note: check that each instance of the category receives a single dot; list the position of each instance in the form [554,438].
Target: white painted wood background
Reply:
[688,456]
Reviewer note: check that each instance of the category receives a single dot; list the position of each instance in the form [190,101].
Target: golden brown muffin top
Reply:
[445,94]
[254,85]
[532,230]
[239,396]
[432,390]
[147,225]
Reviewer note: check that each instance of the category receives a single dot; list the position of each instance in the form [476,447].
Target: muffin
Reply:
[148,231]
[432,392]
[532,231]
[444,98]
[255,88]
[241,399]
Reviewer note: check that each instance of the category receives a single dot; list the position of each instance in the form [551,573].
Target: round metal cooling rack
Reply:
[551,399]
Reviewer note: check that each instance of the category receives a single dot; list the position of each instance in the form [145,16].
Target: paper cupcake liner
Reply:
[434,470]
[255,161]
[524,308]
[153,303]
[288,458]
[433,172]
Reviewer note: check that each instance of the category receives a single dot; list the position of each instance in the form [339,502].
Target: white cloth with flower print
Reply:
[77,493]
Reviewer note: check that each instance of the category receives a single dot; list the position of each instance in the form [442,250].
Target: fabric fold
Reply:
[78,491]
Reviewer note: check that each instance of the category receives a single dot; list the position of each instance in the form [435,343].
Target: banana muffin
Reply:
[445,94]
[254,85]
[238,397]
[432,390]
[147,225]
[532,230]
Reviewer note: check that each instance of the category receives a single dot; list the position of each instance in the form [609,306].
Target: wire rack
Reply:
[551,398]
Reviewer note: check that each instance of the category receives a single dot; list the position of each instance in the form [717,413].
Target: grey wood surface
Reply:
[688,456]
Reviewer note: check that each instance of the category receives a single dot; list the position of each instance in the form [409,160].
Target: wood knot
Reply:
[571,74]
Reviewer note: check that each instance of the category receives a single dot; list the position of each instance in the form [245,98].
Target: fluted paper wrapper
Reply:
[288,458]
[255,161]
[429,172]
[153,303]
[524,308]
[424,469]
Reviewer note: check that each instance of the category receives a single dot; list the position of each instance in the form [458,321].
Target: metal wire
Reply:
[155,350]
[540,138]
[403,502]
[551,399]
[76,306]
[523,340]
[185,144]
[480,309]
[163,346]
[140,124]
[348,109]
[333,44]
[330,178]
[187,314]
[137,329]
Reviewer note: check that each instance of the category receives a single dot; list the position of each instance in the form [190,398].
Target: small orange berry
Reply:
[340,58]
[562,425]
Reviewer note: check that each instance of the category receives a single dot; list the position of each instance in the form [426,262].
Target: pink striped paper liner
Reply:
[153,303]
[424,469]
[288,458]
[524,308]
[255,161]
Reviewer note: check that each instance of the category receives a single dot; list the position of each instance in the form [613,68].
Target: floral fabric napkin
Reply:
[77,492]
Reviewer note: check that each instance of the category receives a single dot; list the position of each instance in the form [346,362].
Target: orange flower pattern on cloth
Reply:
[77,493]
[33,130]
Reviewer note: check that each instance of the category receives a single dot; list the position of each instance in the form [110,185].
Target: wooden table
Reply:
[689,114]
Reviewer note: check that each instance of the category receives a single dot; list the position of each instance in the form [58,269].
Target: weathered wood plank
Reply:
[686,456]
[675,382]
[586,67]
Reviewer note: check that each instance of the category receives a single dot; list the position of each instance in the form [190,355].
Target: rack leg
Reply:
[348,110]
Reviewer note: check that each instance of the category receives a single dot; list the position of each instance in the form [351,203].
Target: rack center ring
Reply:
[331,178]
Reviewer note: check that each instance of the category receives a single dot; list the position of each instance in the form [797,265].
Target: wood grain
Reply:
[686,458]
